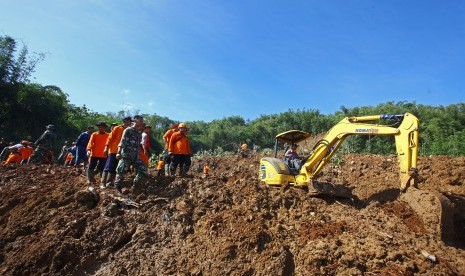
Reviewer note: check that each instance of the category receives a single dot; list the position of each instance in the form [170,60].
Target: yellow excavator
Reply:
[435,209]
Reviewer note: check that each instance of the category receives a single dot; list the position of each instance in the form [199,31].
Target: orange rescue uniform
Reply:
[206,169]
[167,137]
[143,157]
[25,152]
[14,157]
[97,143]
[69,156]
[161,165]
[114,138]
[179,144]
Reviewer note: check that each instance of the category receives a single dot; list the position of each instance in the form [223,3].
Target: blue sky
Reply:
[204,60]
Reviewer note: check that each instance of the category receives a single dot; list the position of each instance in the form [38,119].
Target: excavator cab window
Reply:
[286,147]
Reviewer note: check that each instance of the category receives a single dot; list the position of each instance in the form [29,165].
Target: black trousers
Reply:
[97,162]
[184,162]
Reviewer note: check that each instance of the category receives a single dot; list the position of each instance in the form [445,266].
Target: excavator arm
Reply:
[406,138]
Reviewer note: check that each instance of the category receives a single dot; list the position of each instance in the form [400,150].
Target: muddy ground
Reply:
[228,223]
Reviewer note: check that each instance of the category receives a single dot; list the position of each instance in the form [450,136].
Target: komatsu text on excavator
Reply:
[279,171]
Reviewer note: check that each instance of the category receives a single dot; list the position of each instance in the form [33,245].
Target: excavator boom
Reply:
[406,138]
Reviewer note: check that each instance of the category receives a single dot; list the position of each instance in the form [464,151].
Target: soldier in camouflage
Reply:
[43,152]
[128,153]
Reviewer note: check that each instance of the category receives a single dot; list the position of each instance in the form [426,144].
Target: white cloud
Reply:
[126,92]
[128,106]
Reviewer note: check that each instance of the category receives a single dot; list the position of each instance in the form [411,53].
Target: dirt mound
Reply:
[227,223]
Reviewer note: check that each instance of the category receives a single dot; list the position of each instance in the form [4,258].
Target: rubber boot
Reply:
[111,179]
[167,169]
[119,183]
[181,169]
[172,171]
[103,182]
[90,177]
[138,179]
[135,184]
[184,170]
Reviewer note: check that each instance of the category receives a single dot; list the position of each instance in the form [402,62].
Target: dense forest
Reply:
[27,107]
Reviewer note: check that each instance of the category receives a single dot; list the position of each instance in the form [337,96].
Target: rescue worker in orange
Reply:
[111,148]
[145,145]
[69,159]
[168,133]
[243,150]
[14,157]
[95,150]
[180,150]
[166,138]
[206,170]
[161,166]
[25,151]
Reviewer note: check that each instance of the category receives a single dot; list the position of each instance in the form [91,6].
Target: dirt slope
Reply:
[227,224]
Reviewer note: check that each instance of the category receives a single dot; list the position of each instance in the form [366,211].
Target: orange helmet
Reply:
[182,125]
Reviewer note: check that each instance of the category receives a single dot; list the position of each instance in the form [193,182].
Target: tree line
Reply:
[27,107]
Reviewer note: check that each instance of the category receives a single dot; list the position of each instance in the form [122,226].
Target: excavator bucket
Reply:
[324,188]
[435,210]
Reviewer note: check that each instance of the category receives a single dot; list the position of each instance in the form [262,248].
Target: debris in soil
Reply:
[404,212]
[52,223]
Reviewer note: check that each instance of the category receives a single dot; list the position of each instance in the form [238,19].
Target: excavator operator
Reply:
[292,157]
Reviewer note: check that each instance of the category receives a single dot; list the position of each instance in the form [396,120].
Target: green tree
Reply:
[17,68]
[26,108]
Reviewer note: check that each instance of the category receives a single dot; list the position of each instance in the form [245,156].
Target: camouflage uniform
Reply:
[130,143]
[44,148]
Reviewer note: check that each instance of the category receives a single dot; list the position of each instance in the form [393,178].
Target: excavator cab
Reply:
[287,139]
[279,170]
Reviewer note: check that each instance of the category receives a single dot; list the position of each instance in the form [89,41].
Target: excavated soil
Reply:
[228,223]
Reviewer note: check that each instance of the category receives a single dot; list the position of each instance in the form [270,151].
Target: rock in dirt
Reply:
[88,197]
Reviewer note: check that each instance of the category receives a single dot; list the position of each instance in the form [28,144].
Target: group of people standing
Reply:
[112,154]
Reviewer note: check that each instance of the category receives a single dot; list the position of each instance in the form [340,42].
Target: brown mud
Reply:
[228,223]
